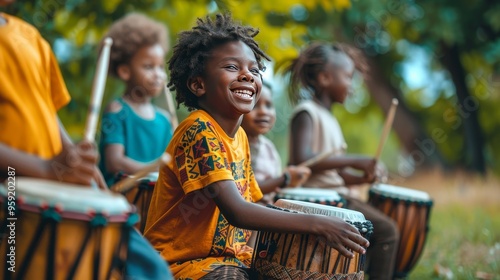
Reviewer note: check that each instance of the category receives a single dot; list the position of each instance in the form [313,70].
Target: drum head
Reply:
[314,208]
[69,197]
[400,193]
[309,194]
[153,176]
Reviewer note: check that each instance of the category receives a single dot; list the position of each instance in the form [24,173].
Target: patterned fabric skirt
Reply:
[228,272]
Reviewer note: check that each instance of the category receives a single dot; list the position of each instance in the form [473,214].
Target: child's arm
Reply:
[294,176]
[303,134]
[272,184]
[354,179]
[73,166]
[113,139]
[240,213]
[116,160]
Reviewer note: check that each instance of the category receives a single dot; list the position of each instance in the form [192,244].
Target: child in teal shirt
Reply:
[134,131]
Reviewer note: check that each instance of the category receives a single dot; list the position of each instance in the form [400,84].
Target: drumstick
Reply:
[97,91]
[171,108]
[387,127]
[128,183]
[322,156]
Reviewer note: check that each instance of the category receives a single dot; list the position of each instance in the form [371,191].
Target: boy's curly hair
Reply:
[312,60]
[194,46]
[131,33]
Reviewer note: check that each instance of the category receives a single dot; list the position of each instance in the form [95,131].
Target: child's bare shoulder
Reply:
[163,112]
[113,107]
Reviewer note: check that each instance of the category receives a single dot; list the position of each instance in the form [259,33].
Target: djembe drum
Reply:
[63,231]
[300,256]
[410,209]
[140,196]
[314,195]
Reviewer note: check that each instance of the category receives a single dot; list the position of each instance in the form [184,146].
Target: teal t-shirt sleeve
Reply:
[112,129]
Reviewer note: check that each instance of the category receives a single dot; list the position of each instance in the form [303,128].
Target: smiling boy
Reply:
[201,213]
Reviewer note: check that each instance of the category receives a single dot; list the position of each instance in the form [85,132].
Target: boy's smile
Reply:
[231,83]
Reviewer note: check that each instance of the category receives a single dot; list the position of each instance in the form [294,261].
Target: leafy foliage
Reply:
[387,30]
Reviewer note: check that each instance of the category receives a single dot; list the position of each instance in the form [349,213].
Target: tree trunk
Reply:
[467,109]
[414,140]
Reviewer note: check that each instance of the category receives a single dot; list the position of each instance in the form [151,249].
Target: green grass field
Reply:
[464,237]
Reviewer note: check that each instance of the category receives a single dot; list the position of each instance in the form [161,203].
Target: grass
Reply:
[464,237]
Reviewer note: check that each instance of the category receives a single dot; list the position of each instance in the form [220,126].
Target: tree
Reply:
[461,38]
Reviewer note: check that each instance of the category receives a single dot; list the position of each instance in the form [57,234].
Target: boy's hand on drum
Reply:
[298,175]
[344,237]
[77,164]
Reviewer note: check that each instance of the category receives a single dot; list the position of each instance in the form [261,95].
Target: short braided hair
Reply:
[193,47]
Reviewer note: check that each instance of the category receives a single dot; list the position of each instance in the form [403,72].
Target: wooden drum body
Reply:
[410,209]
[62,231]
[301,256]
[314,195]
[140,196]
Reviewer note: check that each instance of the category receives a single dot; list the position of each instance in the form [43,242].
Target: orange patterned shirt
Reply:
[184,223]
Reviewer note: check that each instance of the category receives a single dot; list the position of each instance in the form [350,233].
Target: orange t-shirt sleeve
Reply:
[200,160]
[58,89]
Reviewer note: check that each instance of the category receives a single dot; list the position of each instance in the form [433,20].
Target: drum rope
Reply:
[74,267]
[51,254]
[48,215]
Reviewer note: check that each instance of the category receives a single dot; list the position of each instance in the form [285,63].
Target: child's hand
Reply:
[298,175]
[344,237]
[367,165]
[381,173]
[76,164]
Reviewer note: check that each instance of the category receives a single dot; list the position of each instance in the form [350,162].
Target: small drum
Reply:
[300,256]
[314,195]
[52,230]
[410,209]
[140,195]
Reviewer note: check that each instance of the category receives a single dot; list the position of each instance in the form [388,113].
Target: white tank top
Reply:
[327,136]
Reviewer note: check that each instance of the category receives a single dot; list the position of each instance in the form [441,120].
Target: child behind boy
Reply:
[134,131]
[326,71]
[266,162]
[201,213]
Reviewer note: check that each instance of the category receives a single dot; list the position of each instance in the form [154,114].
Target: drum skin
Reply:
[59,235]
[301,256]
[410,209]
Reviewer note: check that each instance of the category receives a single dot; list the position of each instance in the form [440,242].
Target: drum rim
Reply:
[309,193]
[75,201]
[419,196]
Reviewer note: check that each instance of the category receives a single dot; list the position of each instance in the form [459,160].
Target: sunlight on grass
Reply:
[465,239]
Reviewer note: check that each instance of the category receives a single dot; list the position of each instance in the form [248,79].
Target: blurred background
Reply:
[440,59]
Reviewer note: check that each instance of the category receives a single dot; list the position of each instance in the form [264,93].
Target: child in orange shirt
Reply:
[201,213]
[35,143]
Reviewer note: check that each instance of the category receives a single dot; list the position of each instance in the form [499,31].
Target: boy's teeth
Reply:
[243,92]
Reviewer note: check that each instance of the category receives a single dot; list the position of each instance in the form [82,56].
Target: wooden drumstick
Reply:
[97,91]
[129,182]
[171,108]
[387,127]
[322,156]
